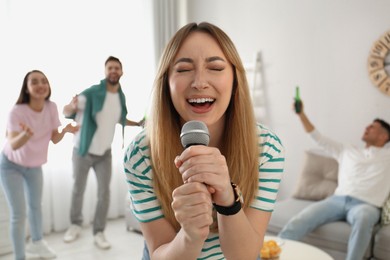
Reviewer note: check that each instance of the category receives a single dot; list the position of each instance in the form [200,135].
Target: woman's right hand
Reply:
[27,131]
[192,206]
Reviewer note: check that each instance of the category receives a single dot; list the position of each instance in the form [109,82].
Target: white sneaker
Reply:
[40,249]
[100,241]
[72,233]
[31,256]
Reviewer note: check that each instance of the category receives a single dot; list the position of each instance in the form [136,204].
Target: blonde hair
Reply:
[240,148]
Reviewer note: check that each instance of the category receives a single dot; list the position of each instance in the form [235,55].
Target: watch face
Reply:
[379,63]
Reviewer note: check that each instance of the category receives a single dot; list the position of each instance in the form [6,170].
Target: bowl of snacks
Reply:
[271,249]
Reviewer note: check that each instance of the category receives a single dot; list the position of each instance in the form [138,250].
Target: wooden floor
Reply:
[125,244]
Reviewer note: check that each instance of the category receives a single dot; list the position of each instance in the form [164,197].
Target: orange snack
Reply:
[270,250]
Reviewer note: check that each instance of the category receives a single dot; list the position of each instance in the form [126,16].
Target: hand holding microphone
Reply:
[200,163]
[192,202]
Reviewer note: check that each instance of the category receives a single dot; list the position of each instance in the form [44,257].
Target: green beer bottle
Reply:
[298,102]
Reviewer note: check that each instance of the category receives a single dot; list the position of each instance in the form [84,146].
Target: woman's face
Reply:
[37,86]
[201,80]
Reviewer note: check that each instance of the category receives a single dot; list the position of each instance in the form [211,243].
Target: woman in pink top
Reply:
[32,123]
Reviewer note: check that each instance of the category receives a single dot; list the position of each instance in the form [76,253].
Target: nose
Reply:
[200,80]
[41,85]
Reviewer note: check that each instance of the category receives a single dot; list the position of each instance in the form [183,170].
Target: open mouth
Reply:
[201,102]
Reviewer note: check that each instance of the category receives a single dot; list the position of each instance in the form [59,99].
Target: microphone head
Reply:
[194,133]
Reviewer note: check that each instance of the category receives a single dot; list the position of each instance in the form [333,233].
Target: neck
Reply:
[36,105]
[377,145]
[112,88]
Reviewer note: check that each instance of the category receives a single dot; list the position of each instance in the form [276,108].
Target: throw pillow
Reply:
[318,178]
[385,218]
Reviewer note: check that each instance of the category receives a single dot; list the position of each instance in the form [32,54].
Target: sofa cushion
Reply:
[318,178]
[385,218]
[381,249]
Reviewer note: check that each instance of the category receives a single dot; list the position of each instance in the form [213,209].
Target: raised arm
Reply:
[307,125]
[70,108]
[334,148]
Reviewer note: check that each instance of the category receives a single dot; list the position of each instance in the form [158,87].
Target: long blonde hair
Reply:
[240,136]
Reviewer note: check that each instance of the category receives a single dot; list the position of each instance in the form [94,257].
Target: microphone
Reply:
[194,133]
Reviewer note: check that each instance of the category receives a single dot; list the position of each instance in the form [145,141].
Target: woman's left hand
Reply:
[199,163]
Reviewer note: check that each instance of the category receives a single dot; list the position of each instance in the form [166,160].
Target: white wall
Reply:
[323,47]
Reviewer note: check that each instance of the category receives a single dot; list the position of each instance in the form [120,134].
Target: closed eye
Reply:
[217,69]
[182,70]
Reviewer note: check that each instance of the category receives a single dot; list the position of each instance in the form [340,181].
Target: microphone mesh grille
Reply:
[194,132]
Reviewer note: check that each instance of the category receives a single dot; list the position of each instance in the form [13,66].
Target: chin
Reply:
[112,82]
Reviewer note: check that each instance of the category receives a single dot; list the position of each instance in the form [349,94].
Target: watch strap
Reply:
[233,209]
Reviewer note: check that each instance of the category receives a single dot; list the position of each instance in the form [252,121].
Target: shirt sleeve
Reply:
[271,168]
[138,170]
[15,117]
[81,101]
[54,115]
[332,147]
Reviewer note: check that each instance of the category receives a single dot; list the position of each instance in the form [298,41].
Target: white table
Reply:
[293,250]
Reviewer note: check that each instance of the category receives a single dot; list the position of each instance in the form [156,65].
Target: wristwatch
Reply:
[233,209]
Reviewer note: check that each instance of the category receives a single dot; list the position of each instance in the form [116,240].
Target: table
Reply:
[293,250]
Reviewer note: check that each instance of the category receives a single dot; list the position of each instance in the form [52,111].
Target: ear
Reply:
[384,138]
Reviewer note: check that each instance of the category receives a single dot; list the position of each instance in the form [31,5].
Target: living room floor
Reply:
[125,244]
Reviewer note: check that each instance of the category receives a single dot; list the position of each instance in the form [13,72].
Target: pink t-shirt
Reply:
[34,152]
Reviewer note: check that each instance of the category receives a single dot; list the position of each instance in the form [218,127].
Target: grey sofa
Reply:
[318,180]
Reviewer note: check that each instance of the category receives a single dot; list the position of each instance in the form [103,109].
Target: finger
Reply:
[196,150]
[214,158]
[22,125]
[178,162]
[192,205]
[210,189]
[189,188]
[198,169]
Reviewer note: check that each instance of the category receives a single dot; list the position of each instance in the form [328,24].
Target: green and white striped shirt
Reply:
[146,207]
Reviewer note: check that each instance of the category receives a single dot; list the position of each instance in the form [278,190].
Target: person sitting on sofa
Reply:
[363,187]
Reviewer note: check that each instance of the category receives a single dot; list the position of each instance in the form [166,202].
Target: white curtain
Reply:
[58,184]
[69,41]
[169,16]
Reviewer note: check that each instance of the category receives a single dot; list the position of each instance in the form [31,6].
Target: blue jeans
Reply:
[360,215]
[146,255]
[18,181]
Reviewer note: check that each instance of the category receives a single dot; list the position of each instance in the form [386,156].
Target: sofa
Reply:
[318,180]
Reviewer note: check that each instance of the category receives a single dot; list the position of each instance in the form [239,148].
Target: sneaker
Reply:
[40,249]
[100,241]
[72,233]
[31,256]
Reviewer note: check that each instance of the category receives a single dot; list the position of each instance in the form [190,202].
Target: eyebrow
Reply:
[214,58]
[189,60]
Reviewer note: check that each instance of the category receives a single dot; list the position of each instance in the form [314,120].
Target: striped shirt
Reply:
[146,207]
